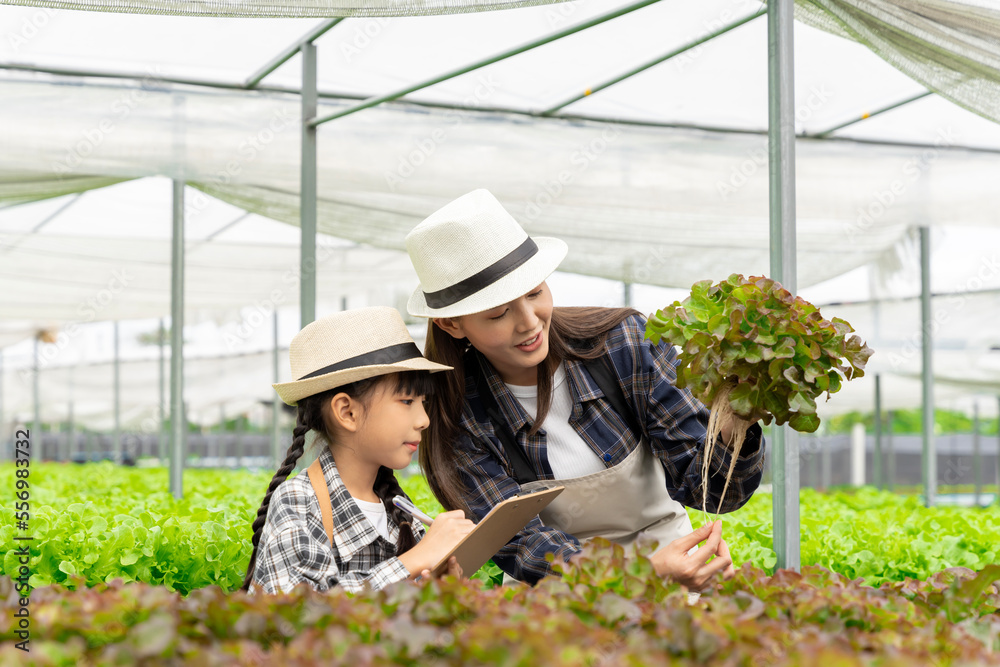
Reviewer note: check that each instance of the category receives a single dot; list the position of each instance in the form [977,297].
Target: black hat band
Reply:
[383,357]
[492,273]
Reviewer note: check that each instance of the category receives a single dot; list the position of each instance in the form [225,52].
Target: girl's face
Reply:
[514,336]
[389,430]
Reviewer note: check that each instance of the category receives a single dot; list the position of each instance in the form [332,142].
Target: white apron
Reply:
[617,503]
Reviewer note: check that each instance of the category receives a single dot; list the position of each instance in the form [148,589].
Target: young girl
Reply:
[361,386]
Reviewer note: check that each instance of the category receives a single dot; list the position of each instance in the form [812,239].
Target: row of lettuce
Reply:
[101,522]
[605,610]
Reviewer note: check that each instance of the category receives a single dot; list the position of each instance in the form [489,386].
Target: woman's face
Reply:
[514,336]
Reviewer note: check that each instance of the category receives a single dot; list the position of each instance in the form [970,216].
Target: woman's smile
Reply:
[531,344]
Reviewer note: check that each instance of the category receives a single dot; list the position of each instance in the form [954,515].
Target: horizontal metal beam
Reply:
[134,76]
[652,63]
[934,295]
[867,115]
[396,94]
[49,218]
[223,228]
[972,386]
[289,52]
[501,110]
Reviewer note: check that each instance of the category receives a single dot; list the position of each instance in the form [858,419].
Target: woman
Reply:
[570,396]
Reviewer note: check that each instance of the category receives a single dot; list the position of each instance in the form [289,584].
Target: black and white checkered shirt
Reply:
[294,547]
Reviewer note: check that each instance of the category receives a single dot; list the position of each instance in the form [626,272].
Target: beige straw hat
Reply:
[471,255]
[349,346]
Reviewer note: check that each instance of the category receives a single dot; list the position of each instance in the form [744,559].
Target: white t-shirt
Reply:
[569,454]
[376,515]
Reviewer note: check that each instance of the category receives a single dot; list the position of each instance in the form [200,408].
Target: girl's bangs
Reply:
[415,383]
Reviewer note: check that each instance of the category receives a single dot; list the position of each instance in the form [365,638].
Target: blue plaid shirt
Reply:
[674,423]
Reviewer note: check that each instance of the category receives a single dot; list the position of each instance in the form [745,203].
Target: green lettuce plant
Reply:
[101,523]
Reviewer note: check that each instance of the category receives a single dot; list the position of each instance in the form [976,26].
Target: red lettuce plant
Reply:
[607,607]
[752,351]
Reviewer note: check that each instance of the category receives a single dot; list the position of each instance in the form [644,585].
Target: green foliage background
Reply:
[103,522]
[910,422]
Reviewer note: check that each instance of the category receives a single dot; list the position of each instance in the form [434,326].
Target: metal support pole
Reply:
[220,442]
[117,444]
[307,189]
[178,417]
[859,441]
[977,457]
[891,463]
[185,421]
[36,429]
[240,441]
[628,294]
[877,456]
[781,168]
[71,442]
[3,425]
[812,460]
[997,462]
[275,405]
[161,441]
[927,431]
[70,435]
[290,51]
[826,465]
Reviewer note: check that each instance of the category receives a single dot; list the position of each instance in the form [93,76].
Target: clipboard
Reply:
[496,529]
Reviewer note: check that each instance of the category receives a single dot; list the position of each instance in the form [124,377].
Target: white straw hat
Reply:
[349,346]
[471,255]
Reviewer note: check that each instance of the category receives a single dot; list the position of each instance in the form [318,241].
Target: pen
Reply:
[411,509]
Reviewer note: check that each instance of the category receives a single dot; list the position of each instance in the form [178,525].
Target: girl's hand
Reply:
[454,569]
[447,530]
[692,569]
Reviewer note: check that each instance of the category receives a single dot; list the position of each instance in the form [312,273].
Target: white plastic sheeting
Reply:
[722,83]
[283,8]
[950,46]
[231,384]
[856,201]
[105,255]
[24,188]
[225,372]
[661,206]
[966,334]
[64,279]
[235,382]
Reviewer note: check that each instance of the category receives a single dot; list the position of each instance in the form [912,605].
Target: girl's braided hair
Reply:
[312,415]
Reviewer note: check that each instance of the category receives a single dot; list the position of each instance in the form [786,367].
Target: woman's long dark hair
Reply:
[312,416]
[574,333]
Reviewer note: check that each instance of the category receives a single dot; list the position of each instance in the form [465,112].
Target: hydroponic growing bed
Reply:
[886,581]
